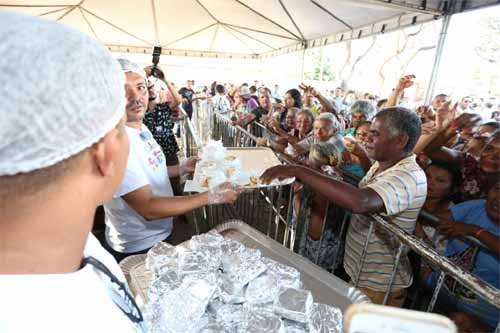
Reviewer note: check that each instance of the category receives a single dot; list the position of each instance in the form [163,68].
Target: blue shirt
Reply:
[486,265]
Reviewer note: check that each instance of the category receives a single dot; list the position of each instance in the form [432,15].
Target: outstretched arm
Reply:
[345,195]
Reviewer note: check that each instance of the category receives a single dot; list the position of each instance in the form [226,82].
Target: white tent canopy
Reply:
[235,28]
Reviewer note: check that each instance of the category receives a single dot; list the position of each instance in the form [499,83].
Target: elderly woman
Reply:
[325,129]
[360,111]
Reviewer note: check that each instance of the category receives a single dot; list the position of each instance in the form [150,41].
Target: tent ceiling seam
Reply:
[241,41]
[251,37]
[116,27]
[207,11]
[88,23]
[400,6]
[260,31]
[331,14]
[70,10]
[53,11]
[155,22]
[35,6]
[190,34]
[291,19]
[214,37]
[267,18]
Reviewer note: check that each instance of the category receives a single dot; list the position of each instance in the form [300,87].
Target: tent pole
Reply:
[437,59]
[303,61]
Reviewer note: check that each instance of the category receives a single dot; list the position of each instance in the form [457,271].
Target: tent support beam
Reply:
[190,34]
[396,6]
[72,8]
[155,22]
[251,37]
[259,31]
[115,26]
[267,19]
[214,37]
[207,11]
[291,19]
[239,39]
[437,59]
[88,23]
[53,11]
[331,14]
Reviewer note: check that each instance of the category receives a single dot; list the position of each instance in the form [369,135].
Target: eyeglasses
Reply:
[126,303]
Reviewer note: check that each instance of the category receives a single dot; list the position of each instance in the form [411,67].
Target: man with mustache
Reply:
[395,186]
[140,214]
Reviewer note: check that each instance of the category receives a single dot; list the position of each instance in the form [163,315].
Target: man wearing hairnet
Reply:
[63,152]
[140,214]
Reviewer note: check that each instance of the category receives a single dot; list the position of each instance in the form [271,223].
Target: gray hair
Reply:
[402,121]
[307,112]
[330,117]
[364,107]
[327,151]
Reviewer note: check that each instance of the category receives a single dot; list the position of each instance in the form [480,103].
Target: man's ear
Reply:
[402,140]
[102,153]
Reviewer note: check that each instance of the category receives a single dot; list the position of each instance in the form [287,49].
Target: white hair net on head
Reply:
[62,91]
[130,66]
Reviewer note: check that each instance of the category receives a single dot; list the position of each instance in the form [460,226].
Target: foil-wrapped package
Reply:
[230,315]
[262,290]
[214,326]
[230,247]
[161,258]
[294,304]
[260,321]
[285,275]
[183,307]
[204,259]
[211,238]
[230,290]
[325,319]
[243,267]
[294,327]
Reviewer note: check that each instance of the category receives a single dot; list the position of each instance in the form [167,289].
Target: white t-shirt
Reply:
[78,302]
[126,230]
[221,104]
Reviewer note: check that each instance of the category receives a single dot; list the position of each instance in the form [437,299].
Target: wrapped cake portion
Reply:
[285,275]
[162,258]
[325,319]
[294,304]
[257,320]
[262,290]
[185,306]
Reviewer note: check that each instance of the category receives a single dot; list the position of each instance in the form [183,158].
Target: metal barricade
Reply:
[292,229]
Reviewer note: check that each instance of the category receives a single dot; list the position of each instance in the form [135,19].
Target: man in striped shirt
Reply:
[394,187]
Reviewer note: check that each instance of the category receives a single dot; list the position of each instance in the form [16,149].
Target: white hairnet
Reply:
[61,92]
[130,66]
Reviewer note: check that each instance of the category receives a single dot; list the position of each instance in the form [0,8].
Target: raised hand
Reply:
[405,82]
[445,115]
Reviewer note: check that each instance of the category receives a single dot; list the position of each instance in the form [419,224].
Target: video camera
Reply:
[155,71]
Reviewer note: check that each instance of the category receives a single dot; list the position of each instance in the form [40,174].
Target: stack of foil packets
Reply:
[213,284]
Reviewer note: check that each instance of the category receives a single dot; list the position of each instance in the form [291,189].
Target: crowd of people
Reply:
[443,158]
[71,144]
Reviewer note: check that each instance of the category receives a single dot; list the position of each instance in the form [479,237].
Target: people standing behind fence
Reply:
[442,184]
[395,186]
[479,219]
[220,102]
[322,243]
[263,109]
[187,94]
[360,111]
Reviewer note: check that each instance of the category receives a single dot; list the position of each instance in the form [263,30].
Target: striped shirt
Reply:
[403,188]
